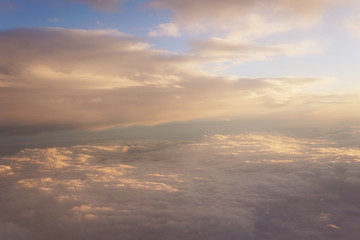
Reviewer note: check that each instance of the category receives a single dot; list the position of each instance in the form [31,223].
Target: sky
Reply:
[85,65]
[179,119]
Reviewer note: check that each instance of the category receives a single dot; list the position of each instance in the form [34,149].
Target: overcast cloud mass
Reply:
[249,186]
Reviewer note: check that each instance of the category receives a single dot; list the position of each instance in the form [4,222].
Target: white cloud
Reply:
[353,26]
[235,51]
[241,25]
[248,186]
[165,29]
[235,14]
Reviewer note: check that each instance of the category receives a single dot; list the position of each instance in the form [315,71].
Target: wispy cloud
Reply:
[165,29]
[235,51]
[229,13]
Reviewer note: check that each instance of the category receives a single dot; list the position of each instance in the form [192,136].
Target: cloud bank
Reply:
[248,186]
[81,79]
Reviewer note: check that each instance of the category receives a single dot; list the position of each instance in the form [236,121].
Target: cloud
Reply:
[248,186]
[225,10]
[238,22]
[165,29]
[65,56]
[91,79]
[239,31]
[219,50]
[5,170]
[77,108]
[79,79]
[353,26]
[232,14]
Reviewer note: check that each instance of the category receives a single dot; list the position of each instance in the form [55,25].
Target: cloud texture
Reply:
[192,11]
[249,186]
[53,79]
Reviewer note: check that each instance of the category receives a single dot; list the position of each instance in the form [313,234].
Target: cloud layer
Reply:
[249,186]
[80,79]
[205,9]
[246,18]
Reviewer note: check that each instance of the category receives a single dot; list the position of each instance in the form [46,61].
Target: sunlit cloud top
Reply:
[248,186]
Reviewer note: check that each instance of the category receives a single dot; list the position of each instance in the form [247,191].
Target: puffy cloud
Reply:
[248,186]
[5,170]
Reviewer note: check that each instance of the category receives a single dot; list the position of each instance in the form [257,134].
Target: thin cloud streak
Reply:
[165,29]
[233,51]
